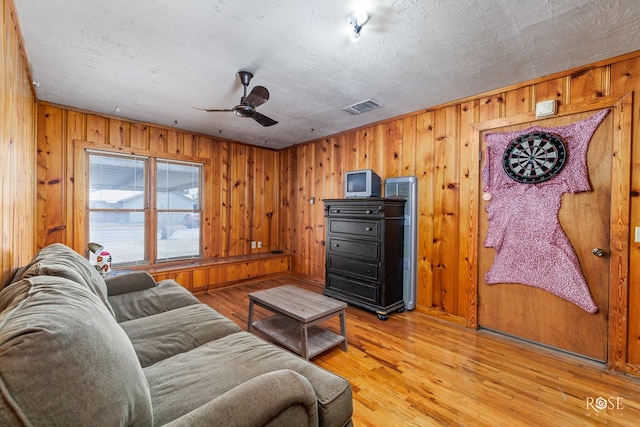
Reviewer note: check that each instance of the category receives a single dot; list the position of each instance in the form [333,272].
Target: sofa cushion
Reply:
[163,335]
[186,381]
[65,361]
[13,294]
[280,398]
[124,283]
[168,295]
[61,261]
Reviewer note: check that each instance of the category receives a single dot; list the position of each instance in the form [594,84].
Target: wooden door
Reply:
[533,314]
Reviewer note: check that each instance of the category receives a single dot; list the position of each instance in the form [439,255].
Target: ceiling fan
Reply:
[248,103]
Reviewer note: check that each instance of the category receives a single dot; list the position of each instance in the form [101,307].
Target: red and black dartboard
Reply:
[534,157]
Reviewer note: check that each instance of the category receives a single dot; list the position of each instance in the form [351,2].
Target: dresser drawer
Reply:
[354,267]
[370,250]
[355,228]
[359,211]
[347,287]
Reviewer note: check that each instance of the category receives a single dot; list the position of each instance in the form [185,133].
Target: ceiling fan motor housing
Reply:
[243,110]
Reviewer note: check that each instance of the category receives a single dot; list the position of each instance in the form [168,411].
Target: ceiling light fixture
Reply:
[357,19]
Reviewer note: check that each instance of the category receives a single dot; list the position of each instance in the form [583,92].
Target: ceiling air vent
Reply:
[362,106]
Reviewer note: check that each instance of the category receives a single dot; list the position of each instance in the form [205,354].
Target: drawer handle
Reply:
[368,211]
[335,210]
[368,229]
[335,245]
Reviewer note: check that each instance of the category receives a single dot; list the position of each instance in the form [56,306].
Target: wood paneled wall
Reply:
[17,150]
[434,145]
[241,185]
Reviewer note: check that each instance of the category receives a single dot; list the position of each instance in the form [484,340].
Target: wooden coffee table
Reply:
[297,313]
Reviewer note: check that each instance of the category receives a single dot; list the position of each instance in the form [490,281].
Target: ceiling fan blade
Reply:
[263,120]
[258,96]
[213,110]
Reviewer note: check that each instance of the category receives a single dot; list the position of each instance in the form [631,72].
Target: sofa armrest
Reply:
[284,396]
[129,282]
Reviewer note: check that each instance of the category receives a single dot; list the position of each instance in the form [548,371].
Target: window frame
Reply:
[150,192]
[154,213]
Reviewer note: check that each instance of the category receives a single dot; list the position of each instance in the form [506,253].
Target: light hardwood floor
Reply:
[414,370]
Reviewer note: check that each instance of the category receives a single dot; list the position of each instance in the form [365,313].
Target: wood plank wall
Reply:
[434,146]
[241,188]
[17,150]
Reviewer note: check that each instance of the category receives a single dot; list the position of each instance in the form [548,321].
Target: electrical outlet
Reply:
[259,244]
[253,244]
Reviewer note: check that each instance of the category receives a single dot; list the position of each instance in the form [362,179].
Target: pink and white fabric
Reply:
[531,247]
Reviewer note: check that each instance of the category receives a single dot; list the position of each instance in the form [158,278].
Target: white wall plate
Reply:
[546,108]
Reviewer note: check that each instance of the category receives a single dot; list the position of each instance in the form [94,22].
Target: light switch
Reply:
[637,239]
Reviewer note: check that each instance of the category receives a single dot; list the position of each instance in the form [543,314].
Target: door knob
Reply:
[598,252]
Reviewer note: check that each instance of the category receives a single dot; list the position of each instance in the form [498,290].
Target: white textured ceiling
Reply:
[157,59]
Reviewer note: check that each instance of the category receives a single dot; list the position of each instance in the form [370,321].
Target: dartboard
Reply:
[534,157]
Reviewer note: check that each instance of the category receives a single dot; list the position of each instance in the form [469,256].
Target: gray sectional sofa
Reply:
[76,350]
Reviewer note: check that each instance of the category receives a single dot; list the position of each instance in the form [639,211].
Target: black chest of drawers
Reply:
[364,244]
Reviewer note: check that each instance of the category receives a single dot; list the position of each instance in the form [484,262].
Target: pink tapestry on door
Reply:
[531,247]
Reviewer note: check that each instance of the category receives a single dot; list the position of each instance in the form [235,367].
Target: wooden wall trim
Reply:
[86,145]
[20,43]
[18,195]
[620,232]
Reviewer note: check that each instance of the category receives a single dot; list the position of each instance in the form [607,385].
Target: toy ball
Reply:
[103,262]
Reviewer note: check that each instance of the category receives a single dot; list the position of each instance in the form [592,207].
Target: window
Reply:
[135,227]
[117,202]
[178,209]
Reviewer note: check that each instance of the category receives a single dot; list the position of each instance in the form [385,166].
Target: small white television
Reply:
[362,183]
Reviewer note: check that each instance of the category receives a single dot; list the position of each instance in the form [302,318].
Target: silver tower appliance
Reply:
[407,188]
